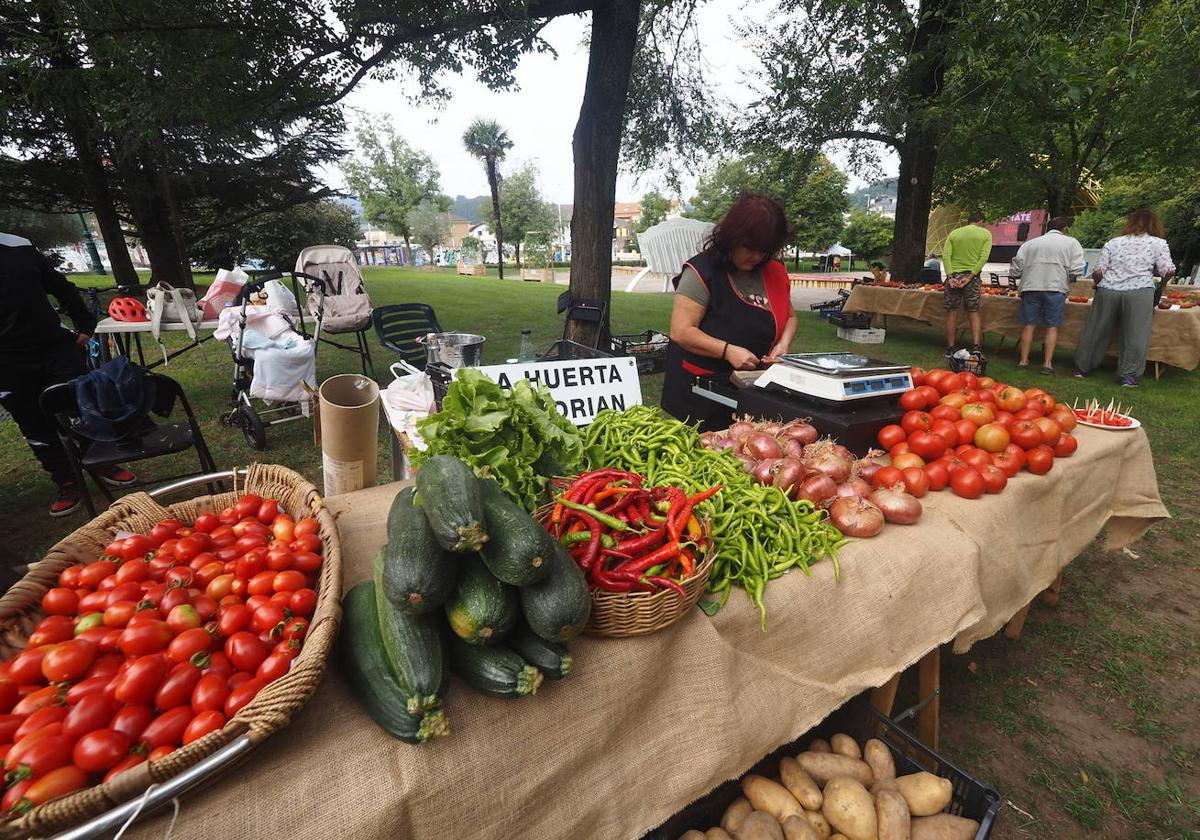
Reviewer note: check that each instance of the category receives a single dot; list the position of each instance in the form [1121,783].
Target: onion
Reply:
[707,438]
[788,475]
[823,457]
[854,487]
[761,445]
[792,448]
[720,444]
[771,428]
[739,428]
[844,452]
[865,468]
[800,430]
[748,463]
[856,517]
[817,488]
[762,472]
[897,506]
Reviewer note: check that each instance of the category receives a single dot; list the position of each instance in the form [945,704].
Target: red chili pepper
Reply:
[707,494]
[638,545]
[681,518]
[669,584]
[655,557]
[678,499]
[688,562]
[612,552]
[593,546]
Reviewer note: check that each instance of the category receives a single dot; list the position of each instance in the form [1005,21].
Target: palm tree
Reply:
[486,140]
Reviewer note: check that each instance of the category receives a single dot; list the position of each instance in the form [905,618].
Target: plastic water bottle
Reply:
[526,354]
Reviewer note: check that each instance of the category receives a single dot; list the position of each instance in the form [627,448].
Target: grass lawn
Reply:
[1087,723]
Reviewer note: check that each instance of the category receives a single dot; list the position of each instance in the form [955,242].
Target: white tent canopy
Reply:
[666,245]
[838,250]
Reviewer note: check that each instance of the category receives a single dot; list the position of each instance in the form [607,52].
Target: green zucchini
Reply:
[551,658]
[558,607]
[518,546]
[418,576]
[448,493]
[494,669]
[414,650]
[482,609]
[385,699]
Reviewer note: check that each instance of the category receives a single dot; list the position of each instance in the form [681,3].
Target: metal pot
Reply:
[453,349]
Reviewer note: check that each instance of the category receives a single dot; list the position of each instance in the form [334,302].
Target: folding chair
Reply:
[88,455]
[584,310]
[336,297]
[399,325]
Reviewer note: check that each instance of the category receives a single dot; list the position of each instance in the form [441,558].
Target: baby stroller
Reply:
[336,297]
[280,389]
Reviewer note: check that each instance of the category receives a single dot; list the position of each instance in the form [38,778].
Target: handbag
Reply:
[165,303]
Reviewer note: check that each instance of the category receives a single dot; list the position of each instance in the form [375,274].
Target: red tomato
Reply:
[129,761]
[135,547]
[273,667]
[888,477]
[969,380]
[307,525]
[9,724]
[127,591]
[206,523]
[183,617]
[1007,461]
[915,480]
[267,511]
[994,478]
[163,532]
[249,542]
[978,413]
[986,382]
[289,646]
[58,782]
[1065,417]
[209,693]
[159,752]
[296,628]
[60,601]
[917,374]
[207,573]
[233,618]
[899,449]
[256,601]
[241,695]
[137,686]
[913,400]
[83,689]
[947,431]
[1050,430]
[251,564]
[52,629]
[283,599]
[14,795]
[92,712]
[223,536]
[145,638]
[949,382]
[303,602]
[69,577]
[93,573]
[911,422]
[968,483]
[1030,412]
[901,462]
[1040,459]
[133,571]
[930,394]
[167,729]
[992,437]
[68,661]
[261,584]
[1003,418]
[246,651]
[145,615]
[269,618]
[117,614]
[965,430]
[289,581]
[205,722]
[219,586]
[39,698]
[219,663]
[889,436]
[188,643]
[247,505]
[176,689]
[1025,434]
[977,458]
[1066,446]
[1011,399]
[1044,401]
[35,757]
[101,750]
[178,577]
[132,720]
[9,693]
[283,528]
[40,719]
[944,412]
[987,398]
[26,667]
[928,445]
[955,400]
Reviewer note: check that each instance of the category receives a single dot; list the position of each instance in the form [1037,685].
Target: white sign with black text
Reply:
[581,388]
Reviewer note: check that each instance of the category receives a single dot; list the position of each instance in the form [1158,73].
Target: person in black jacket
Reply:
[37,351]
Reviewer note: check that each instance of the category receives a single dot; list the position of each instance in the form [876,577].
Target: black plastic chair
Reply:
[584,310]
[156,440]
[399,325]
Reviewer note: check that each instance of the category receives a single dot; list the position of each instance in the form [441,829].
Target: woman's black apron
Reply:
[729,317]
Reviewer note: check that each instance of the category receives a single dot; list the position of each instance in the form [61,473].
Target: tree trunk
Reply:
[914,197]
[597,147]
[517,254]
[151,213]
[493,177]
[1058,201]
[107,220]
[408,248]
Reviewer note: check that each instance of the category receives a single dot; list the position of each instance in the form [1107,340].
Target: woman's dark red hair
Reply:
[755,221]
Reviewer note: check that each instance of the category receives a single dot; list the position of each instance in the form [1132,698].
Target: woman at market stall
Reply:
[1124,296]
[732,308]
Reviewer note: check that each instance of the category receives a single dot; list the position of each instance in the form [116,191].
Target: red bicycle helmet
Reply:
[127,309]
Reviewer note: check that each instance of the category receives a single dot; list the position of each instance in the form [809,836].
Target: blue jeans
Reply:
[1042,308]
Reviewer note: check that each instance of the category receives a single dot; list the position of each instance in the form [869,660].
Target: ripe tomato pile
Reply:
[154,645]
[972,434]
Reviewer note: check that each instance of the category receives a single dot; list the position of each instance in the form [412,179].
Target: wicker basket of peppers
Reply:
[646,551]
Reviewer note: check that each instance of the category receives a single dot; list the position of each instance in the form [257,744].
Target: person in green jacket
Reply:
[964,255]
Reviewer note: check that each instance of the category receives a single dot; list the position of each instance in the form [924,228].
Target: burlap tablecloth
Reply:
[645,726]
[1174,335]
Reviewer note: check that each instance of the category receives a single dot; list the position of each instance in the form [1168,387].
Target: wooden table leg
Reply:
[929,686]
[1157,370]
[1050,596]
[884,697]
[1012,630]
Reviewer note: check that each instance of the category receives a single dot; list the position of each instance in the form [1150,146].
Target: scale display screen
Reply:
[880,385]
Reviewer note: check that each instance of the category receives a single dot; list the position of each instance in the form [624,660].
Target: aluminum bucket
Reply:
[454,349]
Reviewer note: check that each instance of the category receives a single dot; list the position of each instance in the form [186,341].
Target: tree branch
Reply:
[854,134]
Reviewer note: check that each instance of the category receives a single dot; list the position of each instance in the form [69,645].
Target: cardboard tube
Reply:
[349,409]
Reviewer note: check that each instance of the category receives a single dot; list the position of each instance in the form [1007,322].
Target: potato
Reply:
[849,809]
[716,834]
[845,745]
[925,793]
[817,820]
[824,766]
[820,745]
[891,812]
[735,813]
[882,784]
[771,797]
[879,757]
[796,827]
[759,825]
[800,784]
[944,827]
[691,835]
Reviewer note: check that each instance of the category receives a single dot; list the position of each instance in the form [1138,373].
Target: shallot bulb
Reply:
[856,486]
[856,517]
[720,444]
[788,474]
[763,471]
[865,468]
[823,456]
[791,447]
[772,428]
[761,445]
[800,430]
[748,463]
[898,507]
[817,488]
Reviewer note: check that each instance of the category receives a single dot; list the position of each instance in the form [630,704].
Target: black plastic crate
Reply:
[971,797]
[564,349]
[975,363]
[649,348]
[851,320]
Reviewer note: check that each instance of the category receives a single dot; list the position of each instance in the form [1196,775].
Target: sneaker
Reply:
[1047,370]
[1129,382]
[115,475]
[69,499]
[1079,374]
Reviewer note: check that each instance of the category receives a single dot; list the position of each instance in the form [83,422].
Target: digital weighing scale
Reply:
[836,377]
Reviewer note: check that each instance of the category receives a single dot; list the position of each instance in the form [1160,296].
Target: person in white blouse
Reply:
[1124,298]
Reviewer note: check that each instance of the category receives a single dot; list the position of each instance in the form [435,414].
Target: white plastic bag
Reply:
[280,297]
[279,372]
[223,290]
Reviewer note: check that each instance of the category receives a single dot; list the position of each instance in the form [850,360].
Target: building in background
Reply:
[884,205]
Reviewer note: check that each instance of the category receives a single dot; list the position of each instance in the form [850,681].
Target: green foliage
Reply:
[429,224]
[391,178]
[868,234]
[539,248]
[1174,193]
[279,236]
[44,230]
[522,206]
[470,247]
[655,207]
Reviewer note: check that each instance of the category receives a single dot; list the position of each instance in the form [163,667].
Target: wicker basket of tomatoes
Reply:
[157,644]
[645,551]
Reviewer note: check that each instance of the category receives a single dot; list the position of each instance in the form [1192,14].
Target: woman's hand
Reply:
[741,358]
[776,351]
